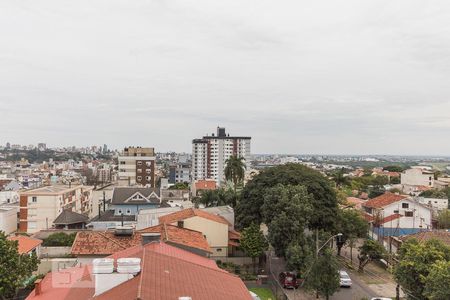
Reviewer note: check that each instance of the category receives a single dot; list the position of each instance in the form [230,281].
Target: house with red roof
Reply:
[154,270]
[394,215]
[222,238]
[27,245]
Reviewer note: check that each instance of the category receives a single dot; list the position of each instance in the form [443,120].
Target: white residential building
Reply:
[417,176]
[40,207]
[435,203]
[393,214]
[8,219]
[210,153]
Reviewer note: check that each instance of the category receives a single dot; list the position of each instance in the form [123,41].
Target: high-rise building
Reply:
[137,166]
[210,153]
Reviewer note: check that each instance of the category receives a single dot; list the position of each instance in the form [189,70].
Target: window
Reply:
[219,249]
[139,178]
[139,163]
[396,211]
[122,162]
[405,205]
[180,224]
[148,178]
[119,211]
[34,199]
[409,214]
[31,225]
[128,212]
[139,170]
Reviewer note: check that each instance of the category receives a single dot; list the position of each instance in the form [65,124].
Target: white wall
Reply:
[8,220]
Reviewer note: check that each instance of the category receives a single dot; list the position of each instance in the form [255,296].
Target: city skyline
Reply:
[325,78]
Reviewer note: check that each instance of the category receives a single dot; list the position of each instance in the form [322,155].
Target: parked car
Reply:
[254,296]
[345,280]
[288,280]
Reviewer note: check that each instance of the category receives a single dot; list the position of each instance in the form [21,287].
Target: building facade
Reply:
[417,176]
[40,207]
[180,173]
[137,167]
[210,153]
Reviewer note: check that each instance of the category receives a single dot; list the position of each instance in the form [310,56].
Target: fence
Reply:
[275,265]
[48,252]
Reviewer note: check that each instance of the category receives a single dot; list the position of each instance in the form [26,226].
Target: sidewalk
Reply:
[375,277]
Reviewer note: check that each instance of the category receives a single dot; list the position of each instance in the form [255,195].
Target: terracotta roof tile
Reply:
[189,213]
[205,185]
[384,200]
[441,235]
[182,236]
[166,273]
[26,244]
[102,242]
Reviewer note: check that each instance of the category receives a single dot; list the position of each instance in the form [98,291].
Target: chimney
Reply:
[150,237]
[37,287]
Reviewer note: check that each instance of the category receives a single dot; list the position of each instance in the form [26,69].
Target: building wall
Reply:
[420,219]
[38,211]
[8,220]
[131,209]
[417,177]
[216,233]
[128,170]
[210,154]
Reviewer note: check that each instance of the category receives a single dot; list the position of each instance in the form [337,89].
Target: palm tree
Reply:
[235,172]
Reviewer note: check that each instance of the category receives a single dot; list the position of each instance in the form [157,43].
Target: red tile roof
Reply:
[384,200]
[390,218]
[102,242]
[166,273]
[26,244]
[189,213]
[181,236]
[441,235]
[205,185]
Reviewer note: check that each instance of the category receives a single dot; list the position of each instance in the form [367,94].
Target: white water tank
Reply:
[103,265]
[129,265]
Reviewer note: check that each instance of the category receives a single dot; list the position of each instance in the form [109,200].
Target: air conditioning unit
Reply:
[103,265]
[129,265]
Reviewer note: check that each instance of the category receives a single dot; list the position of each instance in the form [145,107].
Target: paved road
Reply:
[358,290]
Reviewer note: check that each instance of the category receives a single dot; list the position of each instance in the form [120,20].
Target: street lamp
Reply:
[317,254]
[336,235]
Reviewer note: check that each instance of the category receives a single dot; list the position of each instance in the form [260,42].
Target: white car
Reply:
[345,280]
[254,296]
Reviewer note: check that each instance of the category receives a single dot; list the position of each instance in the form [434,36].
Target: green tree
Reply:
[235,171]
[253,242]
[443,219]
[352,226]
[369,251]
[217,197]
[434,193]
[299,255]
[59,239]
[286,211]
[15,268]
[394,168]
[438,280]
[324,211]
[324,275]
[415,263]
[179,186]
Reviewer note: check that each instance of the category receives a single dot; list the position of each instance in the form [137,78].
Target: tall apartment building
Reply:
[40,207]
[210,153]
[137,166]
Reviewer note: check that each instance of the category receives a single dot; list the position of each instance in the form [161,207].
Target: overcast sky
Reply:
[342,77]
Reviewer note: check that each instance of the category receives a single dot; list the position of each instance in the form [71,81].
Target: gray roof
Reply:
[135,195]
[67,217]
[109,216]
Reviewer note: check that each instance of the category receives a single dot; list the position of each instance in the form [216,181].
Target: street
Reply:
[358,291]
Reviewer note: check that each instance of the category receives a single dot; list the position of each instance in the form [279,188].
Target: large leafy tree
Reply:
[324,202]
[324,275]
[368,252]
[286,211]
[235,171]
[443,219]
[352,226]
[438,280]
[253,242]
[14,267]
[416,261]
